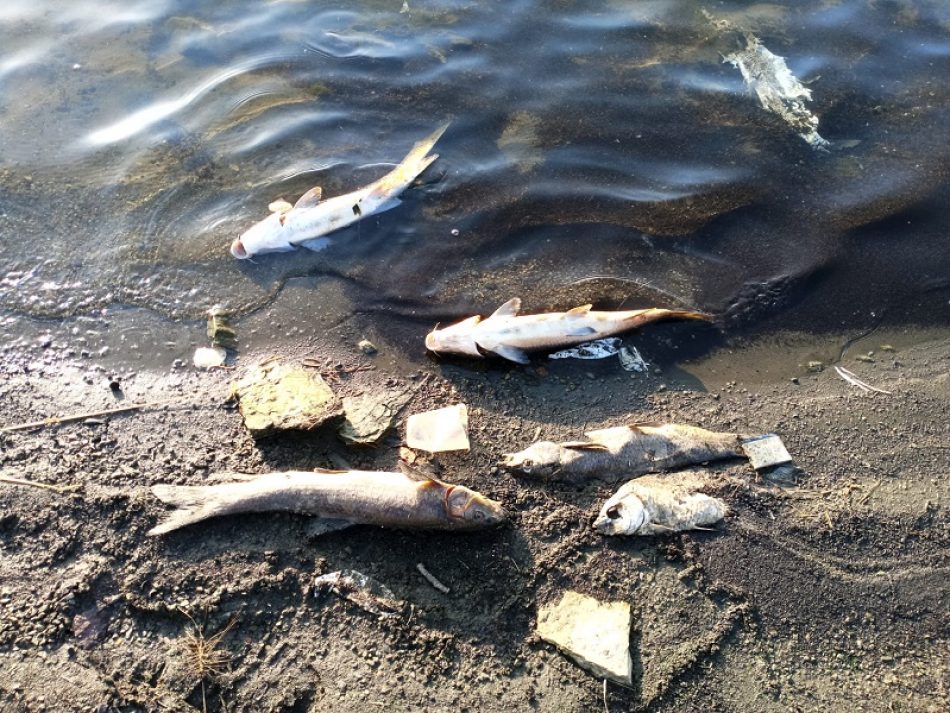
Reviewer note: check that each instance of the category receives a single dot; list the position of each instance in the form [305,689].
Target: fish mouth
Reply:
[432,342]
[238,251]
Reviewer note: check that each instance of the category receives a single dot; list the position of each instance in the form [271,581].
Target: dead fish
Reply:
[509,335]
[611,454]
[289,226]
[654,505]
[340,498]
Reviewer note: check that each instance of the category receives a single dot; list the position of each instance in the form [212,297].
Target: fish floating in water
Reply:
[656,504]
[511,336]
[290,226]
[611,454]
[338,498]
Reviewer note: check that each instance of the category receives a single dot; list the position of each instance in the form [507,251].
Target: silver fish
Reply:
[656,504]
[509,335]
[611,454]
[340,498]
[289,226]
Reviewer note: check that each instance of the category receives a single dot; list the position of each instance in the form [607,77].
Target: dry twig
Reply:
[45,486]
[431,579]
[855,381]
[54,420]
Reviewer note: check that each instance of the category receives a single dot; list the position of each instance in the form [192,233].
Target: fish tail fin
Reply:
[657,313]
[416,161]
[194,503]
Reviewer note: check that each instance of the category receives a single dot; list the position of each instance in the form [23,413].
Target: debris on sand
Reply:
[363,591]
[431,579]
[278,397]
[367,347]
[220,331]
[445,429]
[611,454]
[631,360]
[369,416]
[209,357]
[766,451]
[595,634]
[777,89]
[855,381]
[657,504]
[599,349]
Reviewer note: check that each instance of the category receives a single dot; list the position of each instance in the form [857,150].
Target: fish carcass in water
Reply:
[657,504]
[338,498]
[289,226]
[611,454]
[509,335]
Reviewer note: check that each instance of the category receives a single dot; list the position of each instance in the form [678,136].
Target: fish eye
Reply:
[613,512]
[528,463]
[478,515]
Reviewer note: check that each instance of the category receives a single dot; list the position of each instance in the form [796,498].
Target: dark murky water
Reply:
[598,150]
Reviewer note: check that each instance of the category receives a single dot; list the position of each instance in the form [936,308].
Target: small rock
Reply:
[209,357]
[595,634]
[367,347]
[445,429]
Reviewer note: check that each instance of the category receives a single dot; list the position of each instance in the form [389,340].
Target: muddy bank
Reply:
[825,591]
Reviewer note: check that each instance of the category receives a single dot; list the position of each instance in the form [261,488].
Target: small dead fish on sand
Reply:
[290,226]
[339,498]
[611,454]
[656,504]
[509,335]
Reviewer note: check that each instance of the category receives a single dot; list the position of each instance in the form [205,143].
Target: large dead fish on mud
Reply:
[653,505]
[338,498]
[290,226]
[612,454]
[510,335]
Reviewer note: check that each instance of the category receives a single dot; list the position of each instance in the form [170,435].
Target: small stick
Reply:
[606,709]
[46,486]
[855,381]
[53,420]
[431,578]
[864,498]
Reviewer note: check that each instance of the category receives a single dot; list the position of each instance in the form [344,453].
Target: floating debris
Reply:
[855,381]
[363,591]
[595,634]
[657,504]
[631,360]
[777,89]
[209,357]
[445,429]
[599,349]
[611,454]
[278,397]
[766,451]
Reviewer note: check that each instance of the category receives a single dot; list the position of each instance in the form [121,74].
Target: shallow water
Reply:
[598,151]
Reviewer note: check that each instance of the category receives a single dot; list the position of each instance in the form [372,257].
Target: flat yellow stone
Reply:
[595,634]
[278,397]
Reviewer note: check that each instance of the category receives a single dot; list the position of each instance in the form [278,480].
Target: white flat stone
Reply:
[445,429]
[595,634]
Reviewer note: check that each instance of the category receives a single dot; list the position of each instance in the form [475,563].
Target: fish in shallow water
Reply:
[338,498]
[657,504]
[290,226]
[611,454]
[510,335]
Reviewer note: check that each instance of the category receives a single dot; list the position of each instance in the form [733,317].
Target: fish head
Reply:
[623,514]
[471,511]
[457,338]
[540,460]
[264,236]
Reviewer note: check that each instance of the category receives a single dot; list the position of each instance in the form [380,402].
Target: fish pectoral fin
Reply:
[322,525]
[577,311]
[509,309]
[581,331]
[585,446]
[280,206]
[511,354]
[310,198]
[329,471]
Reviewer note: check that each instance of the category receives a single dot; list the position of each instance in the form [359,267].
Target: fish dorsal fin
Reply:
[584,446]
[509,309]
[423,477]
[329,471]
[638,425]
[578,311]
[279,206]
[310,198]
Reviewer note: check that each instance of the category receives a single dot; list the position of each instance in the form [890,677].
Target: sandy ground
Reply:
[826,591]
